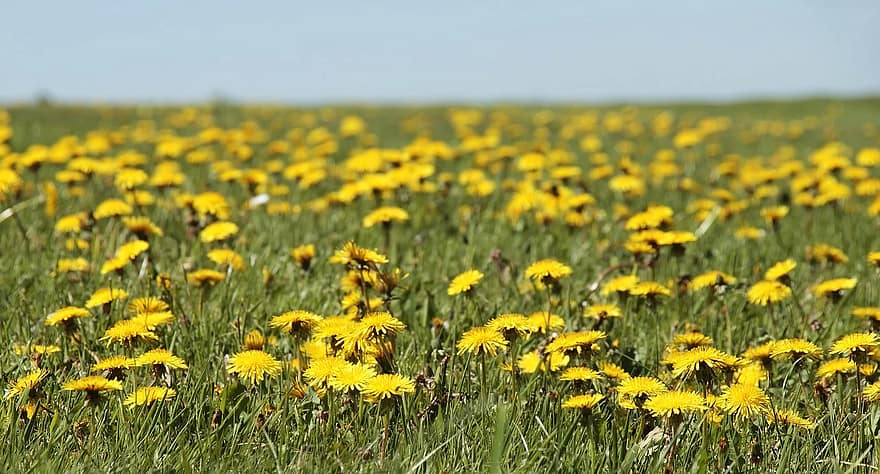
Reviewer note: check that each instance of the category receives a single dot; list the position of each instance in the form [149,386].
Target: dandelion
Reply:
[218,231]
[871,392]
[548,272]
[387,386]
[634,391]
[352,255]
[105,296]
[28,383]
[297,322]
[160,357]
[711,279]
[768,292]
[620,285]
[833,367]
[512,325]
[351,377]
[129,331]
[790,418]
[745,401]
[303,255]
[786,349]
[205,277]
[66,315]
[227,257]
[779,270]
[856,345]
[481,340]
[583,402]
[149,396]
[93,386]
[464,282]
[675,403]
[601,312]
[114,366]
[253,365]
[575,342]
[321,370]
[580,374]
[834,288]
[385,215]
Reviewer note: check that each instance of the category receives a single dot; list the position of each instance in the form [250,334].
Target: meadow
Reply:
[222,288]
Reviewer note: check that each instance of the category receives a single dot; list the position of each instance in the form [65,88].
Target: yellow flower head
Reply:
[92,383]
[352,255]
[481,340]
[149,395]
[218,231]
[385,215]
[253,366]
[66,315]
[547,271]
[767,292]
[583,402]
[745,400]
[386,386]
[675,402]
[464,282]
[29,381]
[105,295]
[162,357]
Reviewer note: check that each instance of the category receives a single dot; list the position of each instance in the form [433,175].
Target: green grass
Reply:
[451,423]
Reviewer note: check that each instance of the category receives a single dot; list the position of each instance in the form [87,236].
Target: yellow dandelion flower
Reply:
[296,322]
[351,377]
[790,418]
[141,226]
[218,231]
[112,208]
[92,384]
[149,395]
[856,344]
[253,366]
[545,322]
[834,287]
[303,255]
[105,295]
[27,383]
[385,215]
[785,349]
[744,400]
[575,342]
[767,292]
[547,271]
[162,357]
[780,269]
[481,340]
[205,276]
[621,284]
[580,374]
[227,257]
[66,315]
[675,402]
[710,279]
[387,386]
[833,367]
[128,331]
[352,255]
[583,402]
[464,282]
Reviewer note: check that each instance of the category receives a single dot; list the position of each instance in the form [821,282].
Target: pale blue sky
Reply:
[451,50]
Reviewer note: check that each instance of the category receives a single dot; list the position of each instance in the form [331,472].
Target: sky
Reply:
[446,51]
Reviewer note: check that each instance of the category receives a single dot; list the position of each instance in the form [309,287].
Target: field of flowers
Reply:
[441,289]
